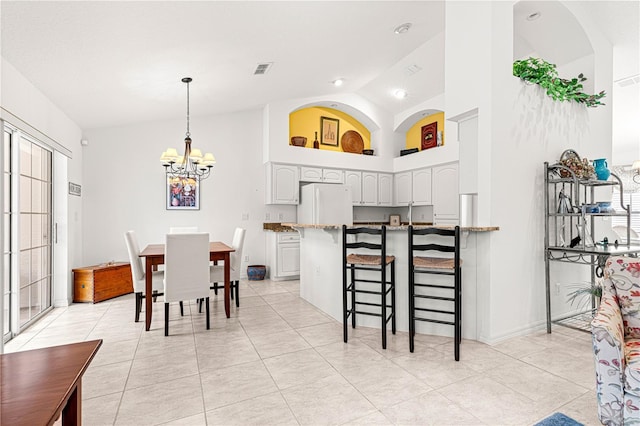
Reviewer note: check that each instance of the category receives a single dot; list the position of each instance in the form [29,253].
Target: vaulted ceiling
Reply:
[110,63]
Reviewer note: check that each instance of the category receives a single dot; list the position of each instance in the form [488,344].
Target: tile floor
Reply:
[278,360]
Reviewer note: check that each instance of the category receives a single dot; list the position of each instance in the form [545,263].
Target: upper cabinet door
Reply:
[402,188]
[353,180]
[446,196]
[385,189]
[369,189]
[310,174]
[422,187]
[332,176]
[284,184]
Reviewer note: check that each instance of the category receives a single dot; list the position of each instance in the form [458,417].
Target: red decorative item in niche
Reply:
[429,136]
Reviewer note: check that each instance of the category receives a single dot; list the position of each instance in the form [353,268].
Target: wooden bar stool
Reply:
[435,290]
[377,261]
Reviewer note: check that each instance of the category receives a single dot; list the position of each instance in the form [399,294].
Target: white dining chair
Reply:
[138,275]
[186,271]
[183,229]
[235,258]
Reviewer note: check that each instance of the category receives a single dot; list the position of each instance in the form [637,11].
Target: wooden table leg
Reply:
[148,277]
[72,412]
[227,284]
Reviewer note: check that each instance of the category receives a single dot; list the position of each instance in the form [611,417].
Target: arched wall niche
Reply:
[371,125]
[305,120]
[550,31]
[412,119]
[400,132]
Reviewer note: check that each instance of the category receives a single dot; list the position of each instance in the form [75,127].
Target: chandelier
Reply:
[192,164]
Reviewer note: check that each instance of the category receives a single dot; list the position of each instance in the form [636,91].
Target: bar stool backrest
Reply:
[381,246]
[452,247]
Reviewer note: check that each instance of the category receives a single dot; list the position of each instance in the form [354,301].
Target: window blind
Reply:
[629,198]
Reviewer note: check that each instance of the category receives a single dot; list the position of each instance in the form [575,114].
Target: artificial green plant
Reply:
[539,71]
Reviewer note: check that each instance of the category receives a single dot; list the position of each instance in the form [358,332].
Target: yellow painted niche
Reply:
[414,134]
[306,122]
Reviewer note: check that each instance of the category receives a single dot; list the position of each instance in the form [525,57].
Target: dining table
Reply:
[154,256]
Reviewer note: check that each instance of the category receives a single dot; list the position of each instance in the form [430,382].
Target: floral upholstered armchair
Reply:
[616,343]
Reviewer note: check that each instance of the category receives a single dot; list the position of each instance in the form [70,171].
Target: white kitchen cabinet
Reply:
[369,189]
[446,198]
[402,188]
[353,179]
[310,174]
[421,187]
[332,176]
[282,184]
[284,255]
[317,174]
[385,189]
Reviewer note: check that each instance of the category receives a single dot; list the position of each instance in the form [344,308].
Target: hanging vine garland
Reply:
[543,73]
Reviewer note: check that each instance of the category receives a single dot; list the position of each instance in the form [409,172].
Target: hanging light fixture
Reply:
[192,164]
[636,166]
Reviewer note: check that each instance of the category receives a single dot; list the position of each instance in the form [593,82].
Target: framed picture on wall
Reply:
[329,131]
[429,136]
[183,193]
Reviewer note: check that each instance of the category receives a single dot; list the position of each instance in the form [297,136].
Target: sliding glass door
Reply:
[6,222]
[35,230]
[27,226]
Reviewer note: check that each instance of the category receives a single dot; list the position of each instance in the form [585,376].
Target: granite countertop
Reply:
[277,227]
[402,227]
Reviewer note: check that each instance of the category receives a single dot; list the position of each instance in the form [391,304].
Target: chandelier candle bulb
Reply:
[209,159]
[195,155]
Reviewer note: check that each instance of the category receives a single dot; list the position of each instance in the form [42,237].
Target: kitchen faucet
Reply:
[410,205]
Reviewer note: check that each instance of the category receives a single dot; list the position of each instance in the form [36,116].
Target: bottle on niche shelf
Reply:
[316,144]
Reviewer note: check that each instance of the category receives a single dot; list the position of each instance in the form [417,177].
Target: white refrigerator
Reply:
[325,204]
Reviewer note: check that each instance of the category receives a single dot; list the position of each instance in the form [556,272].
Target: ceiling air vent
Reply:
[628,81]
[262,68]
[412,69]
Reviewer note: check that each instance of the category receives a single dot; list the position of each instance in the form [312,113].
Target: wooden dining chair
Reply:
[186,272]
[138,274]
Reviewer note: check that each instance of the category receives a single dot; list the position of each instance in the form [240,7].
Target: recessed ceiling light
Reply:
[400,94]
[401,29]
[534,16]
[338,82]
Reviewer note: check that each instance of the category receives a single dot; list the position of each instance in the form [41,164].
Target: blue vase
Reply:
[602,172]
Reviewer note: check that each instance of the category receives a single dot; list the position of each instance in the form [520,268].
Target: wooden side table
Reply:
[101,282]
[41,384]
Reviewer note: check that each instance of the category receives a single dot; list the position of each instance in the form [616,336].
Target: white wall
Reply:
[126,189]
[519,128]
[50,125]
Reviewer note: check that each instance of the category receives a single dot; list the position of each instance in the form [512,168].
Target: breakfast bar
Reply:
[321,275]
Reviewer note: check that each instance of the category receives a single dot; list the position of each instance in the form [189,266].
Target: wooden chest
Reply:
[101,282]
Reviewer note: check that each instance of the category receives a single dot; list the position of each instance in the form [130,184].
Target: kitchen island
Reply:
[321,275]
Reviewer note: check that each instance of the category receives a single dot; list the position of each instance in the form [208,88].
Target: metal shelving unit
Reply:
[568,230]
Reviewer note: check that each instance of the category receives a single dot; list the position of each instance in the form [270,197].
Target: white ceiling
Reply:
[114,63]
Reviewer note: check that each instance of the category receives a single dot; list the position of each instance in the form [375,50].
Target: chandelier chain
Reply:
[188,133]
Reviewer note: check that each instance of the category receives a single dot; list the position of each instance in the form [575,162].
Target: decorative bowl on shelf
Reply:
[298,140]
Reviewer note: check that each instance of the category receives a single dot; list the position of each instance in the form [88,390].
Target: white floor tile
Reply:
[279,360]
